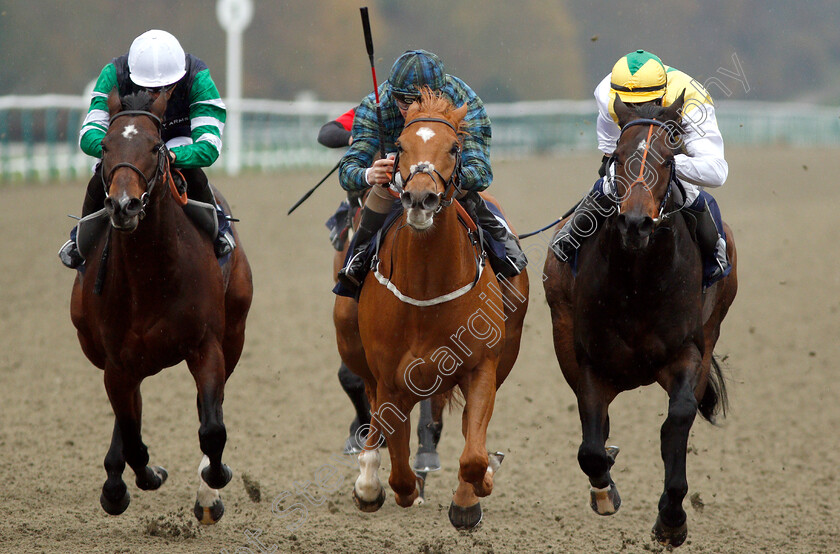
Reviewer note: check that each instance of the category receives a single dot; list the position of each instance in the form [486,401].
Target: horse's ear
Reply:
[114,102]
[159,105]
[674,111]
[622,111]
[458,114]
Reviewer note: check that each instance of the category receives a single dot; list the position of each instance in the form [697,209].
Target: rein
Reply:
[672,180]
[450,186]
[446,199]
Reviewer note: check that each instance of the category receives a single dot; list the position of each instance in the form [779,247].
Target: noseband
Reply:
[672,180]
[452,184]
[160,169]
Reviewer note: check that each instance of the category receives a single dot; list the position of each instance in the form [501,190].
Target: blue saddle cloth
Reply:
[494,249]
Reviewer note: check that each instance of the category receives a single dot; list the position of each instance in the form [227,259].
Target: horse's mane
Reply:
[431,104]
[140,100]
[649,110]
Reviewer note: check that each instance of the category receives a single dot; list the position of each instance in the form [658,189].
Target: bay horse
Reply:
[152,295]
[636,313]
[430,318]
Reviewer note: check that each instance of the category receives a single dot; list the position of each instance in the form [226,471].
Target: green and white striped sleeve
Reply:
[207,122]
[96,121]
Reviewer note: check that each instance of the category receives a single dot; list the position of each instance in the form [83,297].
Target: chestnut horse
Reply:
[430,318]
[161,298]
[430,423]
[636,313]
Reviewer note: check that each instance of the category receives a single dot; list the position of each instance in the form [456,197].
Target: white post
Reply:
[234,16]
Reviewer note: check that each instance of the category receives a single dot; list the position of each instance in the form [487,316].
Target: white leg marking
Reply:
[368,485]
[206,496]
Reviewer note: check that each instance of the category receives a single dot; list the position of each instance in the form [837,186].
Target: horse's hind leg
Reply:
[126,445]
[595,459]
[208,369]
[429,428]
[670,528]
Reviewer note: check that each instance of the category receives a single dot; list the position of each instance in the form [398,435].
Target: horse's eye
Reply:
[399,147]
[454,149]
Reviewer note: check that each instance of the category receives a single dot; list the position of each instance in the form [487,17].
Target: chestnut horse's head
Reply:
[134,157]
[643,167]
[429,157]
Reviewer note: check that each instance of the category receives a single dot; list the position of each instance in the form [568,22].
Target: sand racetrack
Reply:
[764,481]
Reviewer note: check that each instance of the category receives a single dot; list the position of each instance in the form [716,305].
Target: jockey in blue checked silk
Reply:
[359,169]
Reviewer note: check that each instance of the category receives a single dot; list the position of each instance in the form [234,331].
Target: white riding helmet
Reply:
[156,59]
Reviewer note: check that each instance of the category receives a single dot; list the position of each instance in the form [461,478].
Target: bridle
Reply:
[160,169]
[451,185]
[640,180]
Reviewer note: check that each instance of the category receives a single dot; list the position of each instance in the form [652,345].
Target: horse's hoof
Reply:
[159,476]
[426,462]
[369,507]
[213,483]
[667,535]
[115,508]
[421,490]
[494,461]
[612,453]
[209,515]
[606,501]
[465,519]
[352,446]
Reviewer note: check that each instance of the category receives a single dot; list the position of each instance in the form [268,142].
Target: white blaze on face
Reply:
[129,131]
[642,146]
[425,133]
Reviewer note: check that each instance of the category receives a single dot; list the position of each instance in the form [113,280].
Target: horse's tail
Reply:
[715,400]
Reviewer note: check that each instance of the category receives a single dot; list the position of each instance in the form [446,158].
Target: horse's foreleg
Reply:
[126,445]
[394,419]
[208,369]
[595,460]
[475,476]
[671,528]
[368,492]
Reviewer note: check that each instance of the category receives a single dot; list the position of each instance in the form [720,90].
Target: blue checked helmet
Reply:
[414,70]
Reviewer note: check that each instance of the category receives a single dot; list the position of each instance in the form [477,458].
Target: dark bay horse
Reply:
[152,295]
[430,317]
[636,313]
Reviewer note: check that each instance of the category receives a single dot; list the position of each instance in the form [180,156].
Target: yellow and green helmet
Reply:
[639,77]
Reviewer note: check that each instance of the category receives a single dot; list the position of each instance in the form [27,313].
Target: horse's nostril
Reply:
[134,206]
[431,201]
[110,205]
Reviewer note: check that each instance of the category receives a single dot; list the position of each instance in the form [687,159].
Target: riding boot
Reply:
[94,199]
[709,237]
[588,215]
[515,260]
[198,188]
[354,271]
